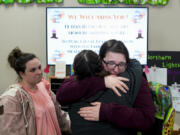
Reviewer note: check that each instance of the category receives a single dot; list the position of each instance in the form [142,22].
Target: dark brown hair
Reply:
[114,46]
[87,64]
[17,60]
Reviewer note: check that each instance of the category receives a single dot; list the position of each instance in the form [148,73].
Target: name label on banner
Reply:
[166,59]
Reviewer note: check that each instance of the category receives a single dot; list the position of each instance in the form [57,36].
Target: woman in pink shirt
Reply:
[29,107]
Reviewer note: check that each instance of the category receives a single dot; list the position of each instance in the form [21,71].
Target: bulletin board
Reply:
[166,59]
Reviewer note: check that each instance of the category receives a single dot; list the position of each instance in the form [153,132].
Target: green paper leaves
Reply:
[132,2]
[30,1]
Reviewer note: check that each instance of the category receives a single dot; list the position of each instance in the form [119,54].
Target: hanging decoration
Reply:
[90,1]
[24,1]
[133,2]
[30,1]
[7,1]
[48,1]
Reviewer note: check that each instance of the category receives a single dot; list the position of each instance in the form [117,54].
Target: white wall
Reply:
[24,26]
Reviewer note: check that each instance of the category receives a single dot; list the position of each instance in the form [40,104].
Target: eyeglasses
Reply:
[112,65]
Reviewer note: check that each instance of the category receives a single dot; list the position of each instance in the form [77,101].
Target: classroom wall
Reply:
[24,26]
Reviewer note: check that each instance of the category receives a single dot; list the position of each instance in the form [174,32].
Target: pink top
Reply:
[46,119]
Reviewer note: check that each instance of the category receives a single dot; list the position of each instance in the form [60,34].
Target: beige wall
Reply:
[24,26]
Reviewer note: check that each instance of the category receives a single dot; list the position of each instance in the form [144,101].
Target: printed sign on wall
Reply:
[169,60]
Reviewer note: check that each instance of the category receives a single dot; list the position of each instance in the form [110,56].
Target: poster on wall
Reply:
[166,59]
[72,29]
